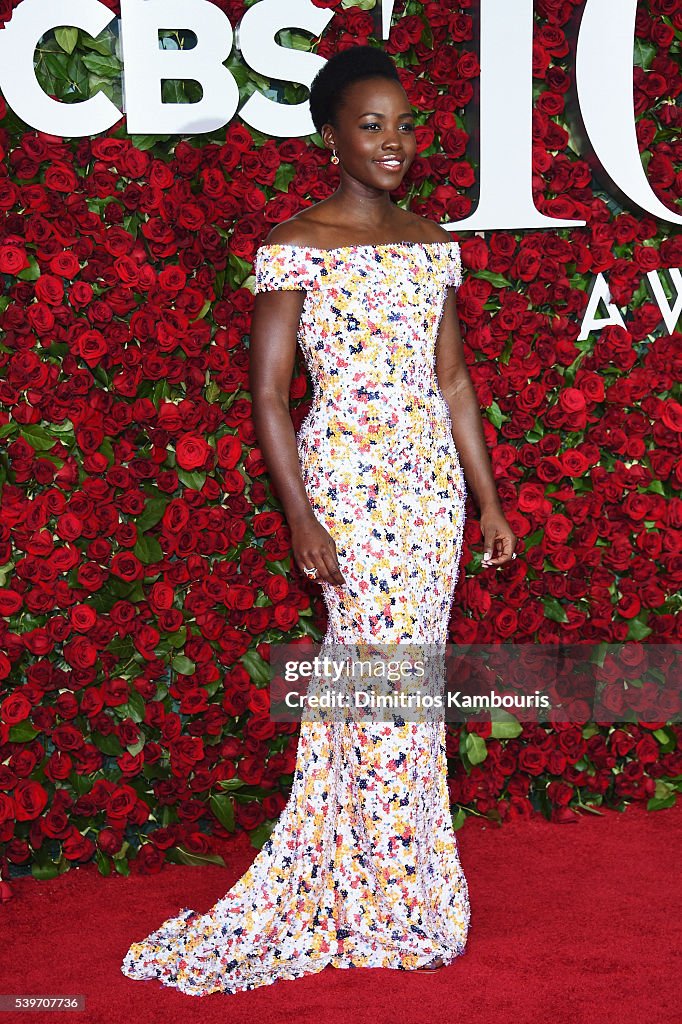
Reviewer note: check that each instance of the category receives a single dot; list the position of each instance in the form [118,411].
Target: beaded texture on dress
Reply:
[362,869]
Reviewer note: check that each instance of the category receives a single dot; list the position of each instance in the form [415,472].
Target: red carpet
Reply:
[570,924]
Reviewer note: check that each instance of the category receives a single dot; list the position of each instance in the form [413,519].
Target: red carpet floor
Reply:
[571,924]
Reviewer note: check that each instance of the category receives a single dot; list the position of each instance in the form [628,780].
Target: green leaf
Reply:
[505,726]
[135,748]
[179,855]
[67,38]
[194,480]
[107,67]
[495,414]
[261,834]
[666,737]
[153,513]
[110,744]
[173,91]
[134,708]
[32,272]
[498,280]
[177,639]
[475,747]
[56,64]
[258,669]
[240,267]
[285,174]
[102,44]
[282,566]
[554,610]
[234,783]
[45,871]
[181,663]
[223,808]
[144,142]
[458,818]
[661,803]
[22,732]
[644,53]
[37,437]
[103,863]
[637,629]
[79,75]
[148,549]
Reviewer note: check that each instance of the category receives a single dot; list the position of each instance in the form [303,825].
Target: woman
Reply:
[362,869]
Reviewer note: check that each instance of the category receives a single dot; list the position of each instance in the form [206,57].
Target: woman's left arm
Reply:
[467,430]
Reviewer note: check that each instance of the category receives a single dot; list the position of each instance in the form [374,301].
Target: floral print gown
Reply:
[362,868]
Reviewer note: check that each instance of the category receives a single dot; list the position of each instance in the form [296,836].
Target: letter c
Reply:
[18,42]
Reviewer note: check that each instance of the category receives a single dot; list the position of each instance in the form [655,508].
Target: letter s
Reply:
[260,51]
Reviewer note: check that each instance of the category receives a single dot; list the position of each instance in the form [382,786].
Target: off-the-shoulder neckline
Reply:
[357,245]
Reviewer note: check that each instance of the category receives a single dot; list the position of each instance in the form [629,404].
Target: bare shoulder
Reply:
[431,231]
[301,229]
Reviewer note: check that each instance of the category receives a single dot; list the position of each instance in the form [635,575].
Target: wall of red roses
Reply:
[144,559]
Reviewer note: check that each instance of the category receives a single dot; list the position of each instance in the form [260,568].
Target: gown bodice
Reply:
[368,331]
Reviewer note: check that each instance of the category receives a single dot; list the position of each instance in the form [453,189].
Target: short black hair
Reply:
[342,70]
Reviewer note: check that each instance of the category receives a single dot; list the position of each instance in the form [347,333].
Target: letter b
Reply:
[146,66]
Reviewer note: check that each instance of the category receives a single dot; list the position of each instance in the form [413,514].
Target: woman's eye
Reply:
[409,127]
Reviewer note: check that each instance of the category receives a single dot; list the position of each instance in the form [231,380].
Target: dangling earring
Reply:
[335,159]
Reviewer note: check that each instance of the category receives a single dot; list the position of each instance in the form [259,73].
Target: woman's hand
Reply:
[499,540]
[314,547]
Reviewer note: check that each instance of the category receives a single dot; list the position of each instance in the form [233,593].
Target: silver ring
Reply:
[513,554]
[311,573]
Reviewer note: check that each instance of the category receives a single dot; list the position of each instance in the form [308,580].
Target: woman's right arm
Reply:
[274,330]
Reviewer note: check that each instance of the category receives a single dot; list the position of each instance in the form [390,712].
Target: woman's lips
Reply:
[390,163]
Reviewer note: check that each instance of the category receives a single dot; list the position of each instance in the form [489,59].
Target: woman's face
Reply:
[374,135]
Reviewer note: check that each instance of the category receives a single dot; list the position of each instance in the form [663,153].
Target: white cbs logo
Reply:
[603,74]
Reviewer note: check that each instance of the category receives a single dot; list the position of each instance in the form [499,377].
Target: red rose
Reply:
[121,802]
[532,760]
[192,452]
[228,451]
[285,617]
[266,523]
[277,588]
[149,860]
[55,823]
[240,597]
[30,800]
[7,809]
[77,847]
[109,841]
[13,258]
[249,815]
[50,289]
[475,254]
[15,708]
[127,566]
[59,766]
[10,602]
[468,66]
[196,842]
[251,770]
[187,751]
